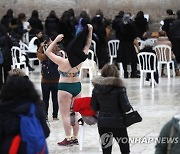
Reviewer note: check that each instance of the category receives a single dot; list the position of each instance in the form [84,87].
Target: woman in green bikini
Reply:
[69,86]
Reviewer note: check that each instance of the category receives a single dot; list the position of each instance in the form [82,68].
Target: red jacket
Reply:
[82,105]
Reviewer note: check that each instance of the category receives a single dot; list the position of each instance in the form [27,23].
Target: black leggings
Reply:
[120,135]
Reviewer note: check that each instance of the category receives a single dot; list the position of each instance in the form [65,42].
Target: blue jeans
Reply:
[52,88]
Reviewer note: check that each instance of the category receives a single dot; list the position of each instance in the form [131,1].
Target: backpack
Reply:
[32,133]
[49,70]
[1,56]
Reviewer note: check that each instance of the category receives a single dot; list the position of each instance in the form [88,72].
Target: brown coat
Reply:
[42,57]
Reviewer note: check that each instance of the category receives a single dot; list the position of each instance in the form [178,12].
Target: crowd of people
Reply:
[72,36]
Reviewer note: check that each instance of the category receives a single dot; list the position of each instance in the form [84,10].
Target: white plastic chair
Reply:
[25,38]
[147,64]
[82,124]
[163,53]
[25,49]
[90,65]
[93,43]
[113,46]
[18,59]
[81,136]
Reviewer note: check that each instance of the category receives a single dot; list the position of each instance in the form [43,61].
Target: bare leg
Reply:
[64,99]
[76,127]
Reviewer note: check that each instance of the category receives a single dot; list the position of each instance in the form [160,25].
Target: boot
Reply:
[134,74]
[177,72]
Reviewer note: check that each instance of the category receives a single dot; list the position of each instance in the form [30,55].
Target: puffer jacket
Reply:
[10,123]
[161,147]
[110,99]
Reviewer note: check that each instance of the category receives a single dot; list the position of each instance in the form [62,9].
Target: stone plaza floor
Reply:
[156,106]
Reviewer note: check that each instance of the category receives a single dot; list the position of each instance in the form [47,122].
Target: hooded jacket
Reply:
[10,123]
[161,148]
[110,99]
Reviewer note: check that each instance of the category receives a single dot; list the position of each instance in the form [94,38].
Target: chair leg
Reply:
[90,74]
[152,79]
[141,79]
[168,70]
[173,69]
[121,69]
[159,69]
[100,147]
[81,74]
[111,60]
[81,137]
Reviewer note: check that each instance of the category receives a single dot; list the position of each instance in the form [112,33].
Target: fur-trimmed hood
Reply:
[108,81]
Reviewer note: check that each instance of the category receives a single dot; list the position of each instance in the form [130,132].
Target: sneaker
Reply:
[65,142]
[74,142]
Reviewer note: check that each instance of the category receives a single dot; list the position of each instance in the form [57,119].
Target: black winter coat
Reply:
[110,99]
[52,25]
[126,52]
[6,44]
[10,123]
[35,23]
[141,26]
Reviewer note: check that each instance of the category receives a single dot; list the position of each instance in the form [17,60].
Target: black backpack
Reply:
[49,70]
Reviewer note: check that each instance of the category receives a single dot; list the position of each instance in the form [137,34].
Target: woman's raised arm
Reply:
[89,39]
[49,52]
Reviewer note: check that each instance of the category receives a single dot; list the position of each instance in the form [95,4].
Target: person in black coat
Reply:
[148,47]
[174,34]
[52,23]
[5,45]
[99,29]
[117,21]
[109,98]
[16,97]
[35,22]
[6,19]
[141,24]
[168,21]
[126,52]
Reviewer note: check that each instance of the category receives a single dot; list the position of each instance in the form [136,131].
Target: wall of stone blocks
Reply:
[155,8]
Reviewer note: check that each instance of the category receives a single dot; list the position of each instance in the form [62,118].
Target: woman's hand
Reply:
[59,38]
[90,27]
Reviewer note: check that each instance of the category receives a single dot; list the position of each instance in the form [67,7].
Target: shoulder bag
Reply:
[132,117]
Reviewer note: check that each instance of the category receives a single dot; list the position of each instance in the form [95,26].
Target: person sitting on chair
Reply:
[148,47]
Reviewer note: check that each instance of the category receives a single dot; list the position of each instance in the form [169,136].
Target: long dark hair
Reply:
[18,88]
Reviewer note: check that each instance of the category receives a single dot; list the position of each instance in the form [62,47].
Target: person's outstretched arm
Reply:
[56,59]
[89,39]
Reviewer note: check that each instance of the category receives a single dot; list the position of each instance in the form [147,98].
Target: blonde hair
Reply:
[110,71]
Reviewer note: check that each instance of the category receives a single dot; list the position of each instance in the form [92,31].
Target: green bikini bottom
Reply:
[72,88]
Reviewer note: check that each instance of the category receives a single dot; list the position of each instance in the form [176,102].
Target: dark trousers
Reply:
[133,67]
[120,135]
[4,69]
[52,88]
